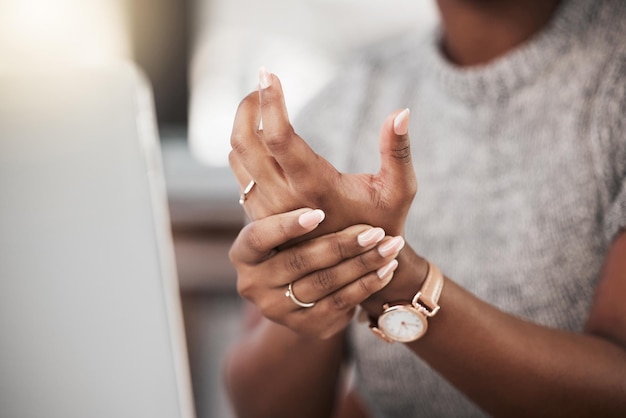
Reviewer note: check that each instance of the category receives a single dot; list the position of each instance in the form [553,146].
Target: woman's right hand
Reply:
[337,271]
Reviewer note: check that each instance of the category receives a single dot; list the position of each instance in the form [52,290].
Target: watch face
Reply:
[402,323]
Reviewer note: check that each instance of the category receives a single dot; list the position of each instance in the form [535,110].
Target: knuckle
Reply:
[245,287]
[279,141]
[296,261]
[325,279]
[274,317]
[402,153]
[338,302]
[336,246]
[362,263]
[238,144]
[253,239]
[234,252]
[365,286]
[298,323]
[269,309]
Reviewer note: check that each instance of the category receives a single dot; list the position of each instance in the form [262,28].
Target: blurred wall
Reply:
[304,42]
[41,34]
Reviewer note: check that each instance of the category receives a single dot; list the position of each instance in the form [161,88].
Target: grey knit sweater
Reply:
[521,165]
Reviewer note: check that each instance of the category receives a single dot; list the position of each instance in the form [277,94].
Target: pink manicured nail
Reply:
[371,237]
[392,246]
[386,269]
[312,218]
[401,122]
[265,78]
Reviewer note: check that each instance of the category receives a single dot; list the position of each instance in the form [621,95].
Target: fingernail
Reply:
[312,218]
[401,122]
[265,78]
[392,246]
[386,269]
[371,237]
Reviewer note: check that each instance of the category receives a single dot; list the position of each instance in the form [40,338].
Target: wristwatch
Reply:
[406,322]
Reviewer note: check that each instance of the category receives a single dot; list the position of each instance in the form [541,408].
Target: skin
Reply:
[273,348]
[476,31]
[283,168]
[553,372]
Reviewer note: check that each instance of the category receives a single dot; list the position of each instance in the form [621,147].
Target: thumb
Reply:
[395,152]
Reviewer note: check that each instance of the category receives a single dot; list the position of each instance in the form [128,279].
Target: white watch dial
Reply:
[402,323]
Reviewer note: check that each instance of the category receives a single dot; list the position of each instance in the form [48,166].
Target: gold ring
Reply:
[289,293]
[244,195]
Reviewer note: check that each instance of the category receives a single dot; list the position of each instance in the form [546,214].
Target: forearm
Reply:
[511,367]
[273,372]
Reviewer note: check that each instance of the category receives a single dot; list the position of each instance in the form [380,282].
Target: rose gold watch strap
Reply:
[431,289]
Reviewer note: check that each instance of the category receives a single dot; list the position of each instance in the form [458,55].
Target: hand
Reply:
[289,174]
[336,271]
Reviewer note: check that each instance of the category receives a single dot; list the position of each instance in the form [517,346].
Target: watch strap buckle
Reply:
[423,307]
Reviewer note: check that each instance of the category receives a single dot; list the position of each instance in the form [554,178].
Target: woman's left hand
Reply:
[290,175]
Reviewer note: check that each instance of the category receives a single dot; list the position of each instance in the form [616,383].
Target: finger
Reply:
[246,143]
[324,282]
[254,200]
[344,301]
[356,292]
[395,152]
[322,253]
[238,169]
[291,152]
[258,239]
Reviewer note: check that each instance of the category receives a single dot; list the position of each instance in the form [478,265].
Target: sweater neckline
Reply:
[502,76]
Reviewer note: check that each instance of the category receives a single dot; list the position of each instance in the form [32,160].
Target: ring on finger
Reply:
[289,293]
[248,189]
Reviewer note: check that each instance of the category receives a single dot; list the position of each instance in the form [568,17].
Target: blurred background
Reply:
[201,57]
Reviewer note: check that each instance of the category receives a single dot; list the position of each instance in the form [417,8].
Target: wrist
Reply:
[407,322]
[407,281]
